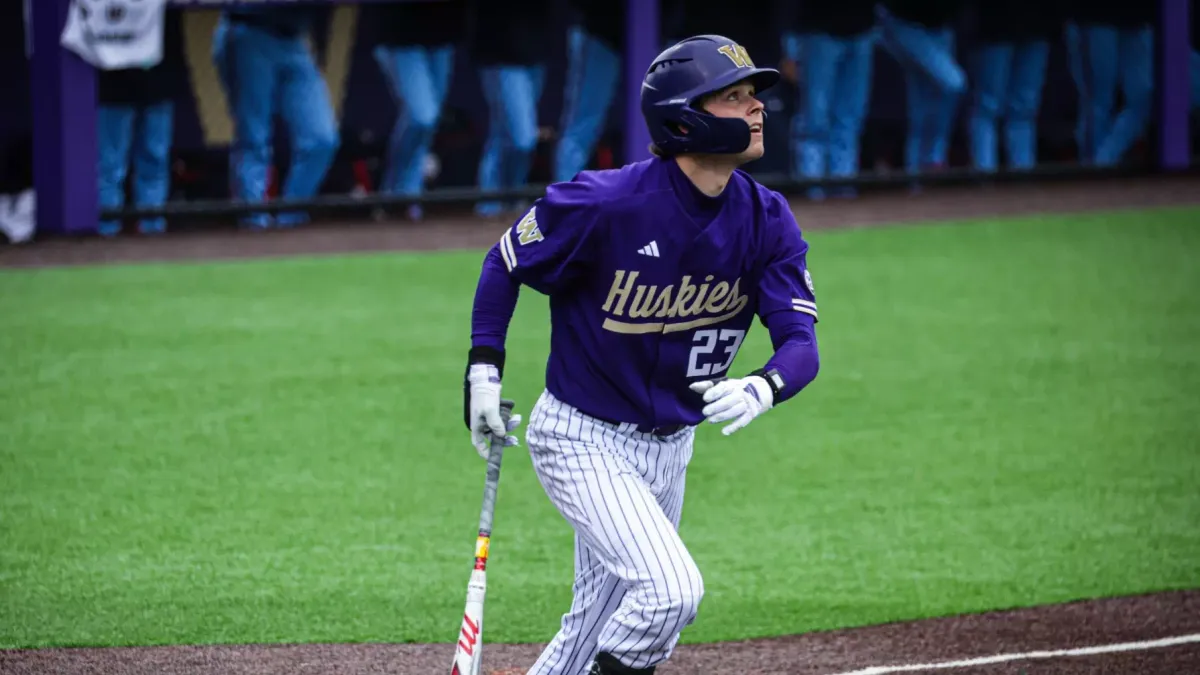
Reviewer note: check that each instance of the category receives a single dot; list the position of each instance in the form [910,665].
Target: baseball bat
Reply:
[468,653]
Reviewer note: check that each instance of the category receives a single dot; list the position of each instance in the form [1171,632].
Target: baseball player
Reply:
[655,272]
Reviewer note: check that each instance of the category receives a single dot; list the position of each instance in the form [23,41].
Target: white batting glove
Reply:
[740,400]
[486,422]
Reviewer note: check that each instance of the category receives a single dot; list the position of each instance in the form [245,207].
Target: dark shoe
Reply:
[607,664]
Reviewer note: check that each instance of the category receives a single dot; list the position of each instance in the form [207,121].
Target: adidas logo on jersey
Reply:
[650,249]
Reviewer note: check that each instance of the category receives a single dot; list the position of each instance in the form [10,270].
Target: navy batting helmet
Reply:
[686,72]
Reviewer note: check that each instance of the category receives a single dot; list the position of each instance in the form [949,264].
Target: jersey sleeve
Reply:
[552,243]
[785,285]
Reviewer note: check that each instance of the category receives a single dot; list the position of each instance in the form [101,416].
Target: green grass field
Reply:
[1008,414]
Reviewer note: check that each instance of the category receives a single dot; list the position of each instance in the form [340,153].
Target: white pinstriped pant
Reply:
[636,586]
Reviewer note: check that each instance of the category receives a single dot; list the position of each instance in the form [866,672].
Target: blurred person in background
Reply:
[135,119]
[1009,74]
[264,59]
[594,56]
[417,42]
[508,47]
[17,198]
[831,50]
[1110,46]
[920,34]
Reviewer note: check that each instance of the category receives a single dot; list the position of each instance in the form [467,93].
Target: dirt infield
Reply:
[861,650]
[1122,630]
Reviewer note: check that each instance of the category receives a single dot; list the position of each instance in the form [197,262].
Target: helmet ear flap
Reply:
[697,131]
[678,128]
[717,135]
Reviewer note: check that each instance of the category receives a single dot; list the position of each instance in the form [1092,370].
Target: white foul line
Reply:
[1001,658]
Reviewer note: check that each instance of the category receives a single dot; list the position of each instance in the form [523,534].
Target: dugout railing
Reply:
[65,109]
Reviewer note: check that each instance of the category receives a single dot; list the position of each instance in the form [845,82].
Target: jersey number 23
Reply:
[713,351]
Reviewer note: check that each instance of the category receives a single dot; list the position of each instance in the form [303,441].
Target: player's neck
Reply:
[709,174]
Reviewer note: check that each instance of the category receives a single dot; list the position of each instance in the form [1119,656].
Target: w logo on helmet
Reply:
[737,54]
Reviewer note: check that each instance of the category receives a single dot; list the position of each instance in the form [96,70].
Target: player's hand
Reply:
[484,417]
[740,400]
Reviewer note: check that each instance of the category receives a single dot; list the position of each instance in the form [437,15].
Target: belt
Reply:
[662,430]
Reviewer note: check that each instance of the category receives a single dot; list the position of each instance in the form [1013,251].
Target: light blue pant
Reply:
[512,94]
[933,82]
[835,86]
[265,75]
[145,132]
[1008,85]
[418,78]
[593,71]
[1101,59]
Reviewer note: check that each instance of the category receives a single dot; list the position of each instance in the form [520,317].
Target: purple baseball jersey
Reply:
[653,286]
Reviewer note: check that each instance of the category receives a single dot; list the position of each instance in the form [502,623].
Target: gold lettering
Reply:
[706,320]
[639,309]
[686,292]
[645,301]
[615,326]
[625,328]
[737,54]
[620,292]
[745,56]
[527,229]
[663,306]
[715,298]
[698,305]
[735,298]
